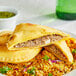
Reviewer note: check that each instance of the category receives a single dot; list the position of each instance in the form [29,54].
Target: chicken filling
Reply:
[40,41]
[55,50]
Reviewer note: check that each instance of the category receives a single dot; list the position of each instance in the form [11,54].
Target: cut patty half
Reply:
[32,35]
[18,56]
[61,50]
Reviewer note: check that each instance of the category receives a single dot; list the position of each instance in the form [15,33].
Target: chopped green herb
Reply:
[28,71]
[33,68]
[50,74]
[46,57]
[5,69]
[31,71]
[24,66]
[72,63]
[74,51]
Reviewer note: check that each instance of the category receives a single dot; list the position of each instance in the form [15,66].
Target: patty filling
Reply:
[55,50]
[39,41]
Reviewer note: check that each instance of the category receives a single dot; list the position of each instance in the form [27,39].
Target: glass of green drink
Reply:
[66,9]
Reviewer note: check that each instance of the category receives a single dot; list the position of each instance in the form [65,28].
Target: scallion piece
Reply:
[74,51]
[5,69]
[31,71]
[50,74]
[46,57]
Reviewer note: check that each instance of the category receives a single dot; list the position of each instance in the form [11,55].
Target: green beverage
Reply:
[66,9]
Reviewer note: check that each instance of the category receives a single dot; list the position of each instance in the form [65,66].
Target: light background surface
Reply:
[39,12]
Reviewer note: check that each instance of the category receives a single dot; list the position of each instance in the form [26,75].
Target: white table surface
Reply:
[40,12]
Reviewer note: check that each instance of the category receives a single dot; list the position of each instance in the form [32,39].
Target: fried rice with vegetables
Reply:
[44,64]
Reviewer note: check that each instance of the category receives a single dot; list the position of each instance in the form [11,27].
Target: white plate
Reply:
[73,73]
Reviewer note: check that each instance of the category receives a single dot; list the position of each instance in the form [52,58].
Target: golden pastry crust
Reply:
[26,31]
[17,56]
[4,36]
